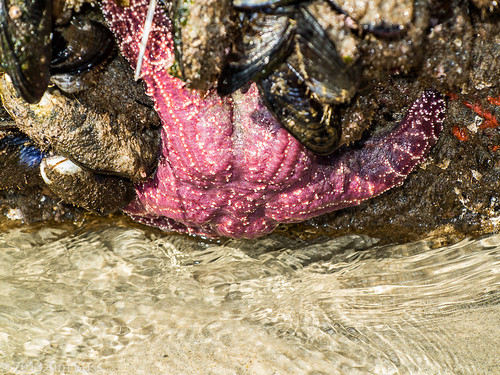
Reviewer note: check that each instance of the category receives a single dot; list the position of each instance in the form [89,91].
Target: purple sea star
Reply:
[227,167]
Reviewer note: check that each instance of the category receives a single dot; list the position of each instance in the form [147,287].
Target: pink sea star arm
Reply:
[358,174]
[228,168]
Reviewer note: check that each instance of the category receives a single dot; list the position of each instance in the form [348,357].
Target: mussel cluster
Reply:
[35,46]
[89,132]
[289,48]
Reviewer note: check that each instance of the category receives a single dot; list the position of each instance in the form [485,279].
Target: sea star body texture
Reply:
[227,167]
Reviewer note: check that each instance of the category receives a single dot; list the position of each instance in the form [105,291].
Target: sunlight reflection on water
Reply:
[110,299]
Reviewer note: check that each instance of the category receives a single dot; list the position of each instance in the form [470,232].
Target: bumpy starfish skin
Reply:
[227,168]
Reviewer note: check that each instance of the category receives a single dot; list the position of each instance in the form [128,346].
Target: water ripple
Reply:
[108,299]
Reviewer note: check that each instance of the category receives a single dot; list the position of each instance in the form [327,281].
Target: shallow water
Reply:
[113,299]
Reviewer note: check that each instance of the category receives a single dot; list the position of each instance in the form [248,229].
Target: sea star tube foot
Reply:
[227,167]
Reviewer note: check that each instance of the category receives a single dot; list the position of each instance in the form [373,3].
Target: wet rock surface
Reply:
[458,189]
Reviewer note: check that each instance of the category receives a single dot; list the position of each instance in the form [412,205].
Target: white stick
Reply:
[145,36]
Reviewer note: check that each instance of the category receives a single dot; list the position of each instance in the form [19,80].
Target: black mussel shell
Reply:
[101,194]
[263,4]
[25,28]
[80,47]
[265,43]
[19,160]
[318,63]
[306,119]
[383,30]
